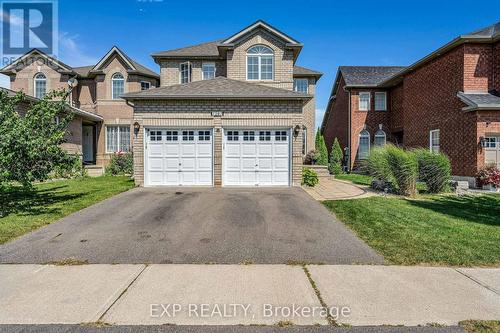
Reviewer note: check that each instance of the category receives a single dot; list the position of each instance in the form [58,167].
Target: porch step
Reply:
[321,170]
[94,170]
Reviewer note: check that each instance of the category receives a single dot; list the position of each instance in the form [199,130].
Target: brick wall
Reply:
[478,67]
[396,100]
[170,70]
[496,66]
[337,124]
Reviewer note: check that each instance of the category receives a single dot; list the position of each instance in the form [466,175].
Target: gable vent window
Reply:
[185,72]
[117,85]
[208,69]
[145,85]
[301,85]
[260,63]
[40,85]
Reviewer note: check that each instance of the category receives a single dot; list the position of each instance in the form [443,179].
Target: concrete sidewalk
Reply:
[246,294]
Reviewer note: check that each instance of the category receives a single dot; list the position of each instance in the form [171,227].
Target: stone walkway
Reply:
[333,189]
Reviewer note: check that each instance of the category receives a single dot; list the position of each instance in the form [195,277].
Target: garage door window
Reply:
[171,135]
[232,135]
[118,139]
[265,136]
[248,136]
[155,135]
[280,136]
[187,135]
[490,142]
[203,135]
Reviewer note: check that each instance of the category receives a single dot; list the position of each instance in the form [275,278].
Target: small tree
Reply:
[336,157]
[321,149]
[30,143]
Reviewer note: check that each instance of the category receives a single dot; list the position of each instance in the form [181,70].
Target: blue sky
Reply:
[334,33]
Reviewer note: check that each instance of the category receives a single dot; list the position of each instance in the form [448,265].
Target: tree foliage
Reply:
[321,149]
[336,156]
[30,143]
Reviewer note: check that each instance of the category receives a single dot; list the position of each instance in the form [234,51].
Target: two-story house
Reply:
[103,123]
[448,101]
[233,112]
[236,111]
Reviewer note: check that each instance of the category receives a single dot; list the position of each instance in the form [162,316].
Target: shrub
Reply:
[71,169]
[311,157]
[377,165]
[433,169]
[121,164]
[404,168]
[321,149]
[336,157]
[489,175]
[309,177]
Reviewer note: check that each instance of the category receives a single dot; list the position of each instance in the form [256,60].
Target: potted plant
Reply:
[489,178]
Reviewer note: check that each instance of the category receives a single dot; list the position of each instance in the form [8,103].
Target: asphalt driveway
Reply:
[196,225]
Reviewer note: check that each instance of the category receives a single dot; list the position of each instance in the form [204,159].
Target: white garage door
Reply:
[178,157]
[256,157]
[492,150]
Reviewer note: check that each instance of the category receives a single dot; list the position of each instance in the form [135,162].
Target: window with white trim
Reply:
[145,85]
[187,135]
[232,135]
[40,85]
[301,85]
[381,101]
[208,70]
[380,138]
[434,141]
[265,135]
[280,136]
[171,135]
[117,85]
[248,135]
[364,101]
[185,72]
[491,142]
[203,135]
[155,136]
[260,63]
[364,145]
[117,138]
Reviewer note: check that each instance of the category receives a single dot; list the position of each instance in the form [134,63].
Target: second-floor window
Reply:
[117,85]
[434,141]
[40,85]
[260,63]
[364,101]
[380,101]
[208,69]
[145,85]
[301,85]
[185,72]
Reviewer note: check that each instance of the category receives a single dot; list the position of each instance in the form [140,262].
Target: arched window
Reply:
[117,85]
[364,145]
[380,138]
[260,63]
[40,85]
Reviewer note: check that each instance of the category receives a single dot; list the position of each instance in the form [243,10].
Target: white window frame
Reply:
[118,138]
[189,69]
[384,94]
[113,80]
[369,100]
[203,71]
[35,81]
[364,133]
[259,57]
[304,142]
[295,81]
[431,146]
[146,82]
[380,134]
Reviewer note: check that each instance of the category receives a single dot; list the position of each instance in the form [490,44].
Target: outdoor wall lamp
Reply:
[137,127]
[482,141]
[296,130]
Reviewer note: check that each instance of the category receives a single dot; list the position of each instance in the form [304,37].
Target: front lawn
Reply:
[21,211]
[355,178]
[435,230]
[481,326]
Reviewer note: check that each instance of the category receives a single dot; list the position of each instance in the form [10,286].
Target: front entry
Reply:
[256,157]
[178,157]
[88,143]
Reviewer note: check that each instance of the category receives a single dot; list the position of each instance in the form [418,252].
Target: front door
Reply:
[88,143]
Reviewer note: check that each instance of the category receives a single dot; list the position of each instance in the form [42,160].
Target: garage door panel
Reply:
[233,150]
[265,164]
[281,150]
[265,149]
[248,149]
[248,177]
[248,163]
[281,178]
[232,163]
[281,163]
[177,159]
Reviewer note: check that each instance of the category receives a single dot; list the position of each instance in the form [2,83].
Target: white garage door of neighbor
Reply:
[256,157]
[492,150]
[178,157]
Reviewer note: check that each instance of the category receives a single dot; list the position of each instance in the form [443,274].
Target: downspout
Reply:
[349,132]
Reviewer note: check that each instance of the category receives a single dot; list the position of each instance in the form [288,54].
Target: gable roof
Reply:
[479,101]
[216,49]
[134,67]
[492,31]
[302,71]
[217,88]
[10,68]
[367,76]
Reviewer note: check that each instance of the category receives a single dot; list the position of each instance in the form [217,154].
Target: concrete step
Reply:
[94,170]
[321,170]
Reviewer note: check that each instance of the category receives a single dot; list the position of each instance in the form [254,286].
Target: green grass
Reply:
[435,230]
[481,326]
[355,178]
[23,211]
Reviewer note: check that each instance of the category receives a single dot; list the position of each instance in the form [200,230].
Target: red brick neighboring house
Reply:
[448,101]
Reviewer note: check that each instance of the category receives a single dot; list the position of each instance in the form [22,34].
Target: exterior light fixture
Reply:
[137,127]
[482,141]
[296,130]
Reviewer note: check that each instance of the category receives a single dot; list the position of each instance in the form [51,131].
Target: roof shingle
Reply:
[208,49]
[217,88]
[298,71]
[368,76]
[480,100]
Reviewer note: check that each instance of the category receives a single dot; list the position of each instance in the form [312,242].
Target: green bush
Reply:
[377,165]
[71,169]
[433,169]
[336,156]
[309,177]
[321,149]
[404,169]
[121,164]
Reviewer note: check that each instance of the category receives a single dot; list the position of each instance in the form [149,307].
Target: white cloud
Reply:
[72,52]
[319,117]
